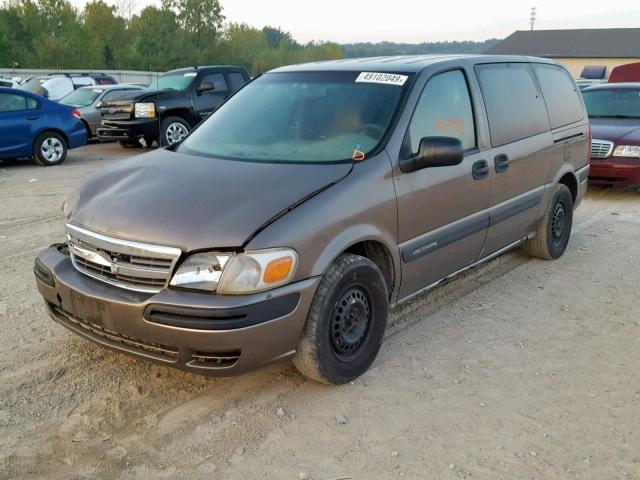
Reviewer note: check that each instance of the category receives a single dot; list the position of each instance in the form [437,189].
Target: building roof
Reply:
[391,64]
[594,42]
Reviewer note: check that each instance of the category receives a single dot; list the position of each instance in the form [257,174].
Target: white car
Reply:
[58,85]
[8,82]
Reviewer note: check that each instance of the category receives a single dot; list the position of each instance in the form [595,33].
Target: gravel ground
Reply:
[518,369]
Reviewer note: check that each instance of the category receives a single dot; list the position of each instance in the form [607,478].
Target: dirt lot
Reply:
[519,369]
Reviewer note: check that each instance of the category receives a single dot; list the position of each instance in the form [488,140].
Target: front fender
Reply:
[361,207]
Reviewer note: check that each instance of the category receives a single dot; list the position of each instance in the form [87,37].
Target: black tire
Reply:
[50,148]
[346,322]
[167,127]
[554,229]
[130,144]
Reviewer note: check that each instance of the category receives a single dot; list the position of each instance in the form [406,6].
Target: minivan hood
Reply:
[615,129]
[193,202]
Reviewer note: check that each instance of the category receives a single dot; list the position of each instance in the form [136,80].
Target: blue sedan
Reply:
[32,126]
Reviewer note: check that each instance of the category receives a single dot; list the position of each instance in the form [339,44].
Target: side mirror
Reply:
[99,105]
[205,87]
[435,152]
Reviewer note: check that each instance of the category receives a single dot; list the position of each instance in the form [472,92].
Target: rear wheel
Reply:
[554,230]
[50,148]
[346,322]
[173,130]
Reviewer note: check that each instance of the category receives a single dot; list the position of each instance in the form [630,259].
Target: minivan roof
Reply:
[403,63]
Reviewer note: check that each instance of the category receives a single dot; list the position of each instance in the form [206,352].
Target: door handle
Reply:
[501,162]
[33,117]
[480,169]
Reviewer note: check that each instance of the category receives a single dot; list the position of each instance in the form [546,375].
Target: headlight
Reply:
[201,271]
[627,151]
[229,274]
[145,110]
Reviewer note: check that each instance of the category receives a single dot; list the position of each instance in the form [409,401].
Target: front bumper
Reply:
[614,170]
[213,335]
[129,130]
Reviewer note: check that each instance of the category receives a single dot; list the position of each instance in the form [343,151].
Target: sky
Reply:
[415,21]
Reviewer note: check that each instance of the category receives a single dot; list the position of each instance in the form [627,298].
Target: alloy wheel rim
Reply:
[351,318]
[52,149]
[176,132]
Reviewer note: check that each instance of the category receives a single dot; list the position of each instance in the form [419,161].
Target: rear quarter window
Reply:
[237,80]
[560,94]
[515,107]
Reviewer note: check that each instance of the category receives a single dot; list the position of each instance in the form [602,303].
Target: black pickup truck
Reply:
[170,107]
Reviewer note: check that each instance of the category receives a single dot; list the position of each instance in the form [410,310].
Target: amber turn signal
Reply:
[277,269]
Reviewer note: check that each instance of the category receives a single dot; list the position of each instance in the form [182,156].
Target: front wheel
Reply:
[554,229]
[173,130]
[345,323]
[50,148]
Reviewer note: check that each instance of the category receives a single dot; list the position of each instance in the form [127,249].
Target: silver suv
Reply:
[286,224]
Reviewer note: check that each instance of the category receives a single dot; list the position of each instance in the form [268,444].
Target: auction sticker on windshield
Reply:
[383,78]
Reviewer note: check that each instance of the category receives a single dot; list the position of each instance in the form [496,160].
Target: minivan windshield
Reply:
[178,81]
[83,97]
[614,102]
[300,117]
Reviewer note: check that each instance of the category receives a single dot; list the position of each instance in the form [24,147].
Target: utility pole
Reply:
[532,17]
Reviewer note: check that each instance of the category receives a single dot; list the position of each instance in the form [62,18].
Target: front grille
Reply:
[116,110]
[601,148]
[97,331]
[131,265]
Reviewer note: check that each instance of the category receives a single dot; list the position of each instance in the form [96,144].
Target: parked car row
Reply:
[56,86]
[162,113]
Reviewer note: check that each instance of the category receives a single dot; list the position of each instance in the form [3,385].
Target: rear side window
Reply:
[218,81]
[237,81]
[11,102]
[32,104]
[444,110]
[515,107]
[560,94]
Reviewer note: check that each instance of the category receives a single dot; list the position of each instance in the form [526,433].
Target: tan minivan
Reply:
[286,224]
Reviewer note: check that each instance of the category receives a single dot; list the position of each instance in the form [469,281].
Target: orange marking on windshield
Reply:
[358,155]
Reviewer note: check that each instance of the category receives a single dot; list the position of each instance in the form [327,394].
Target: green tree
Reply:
[12,38]
[200,24]
[106,35]
[155,40]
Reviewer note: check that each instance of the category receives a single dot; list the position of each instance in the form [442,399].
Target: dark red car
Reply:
[614,111]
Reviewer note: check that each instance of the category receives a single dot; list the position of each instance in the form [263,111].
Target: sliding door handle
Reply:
[501,163]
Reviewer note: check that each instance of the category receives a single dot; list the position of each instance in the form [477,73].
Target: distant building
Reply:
[576,49]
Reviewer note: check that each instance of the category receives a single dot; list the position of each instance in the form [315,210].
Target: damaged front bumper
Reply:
[214,335]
